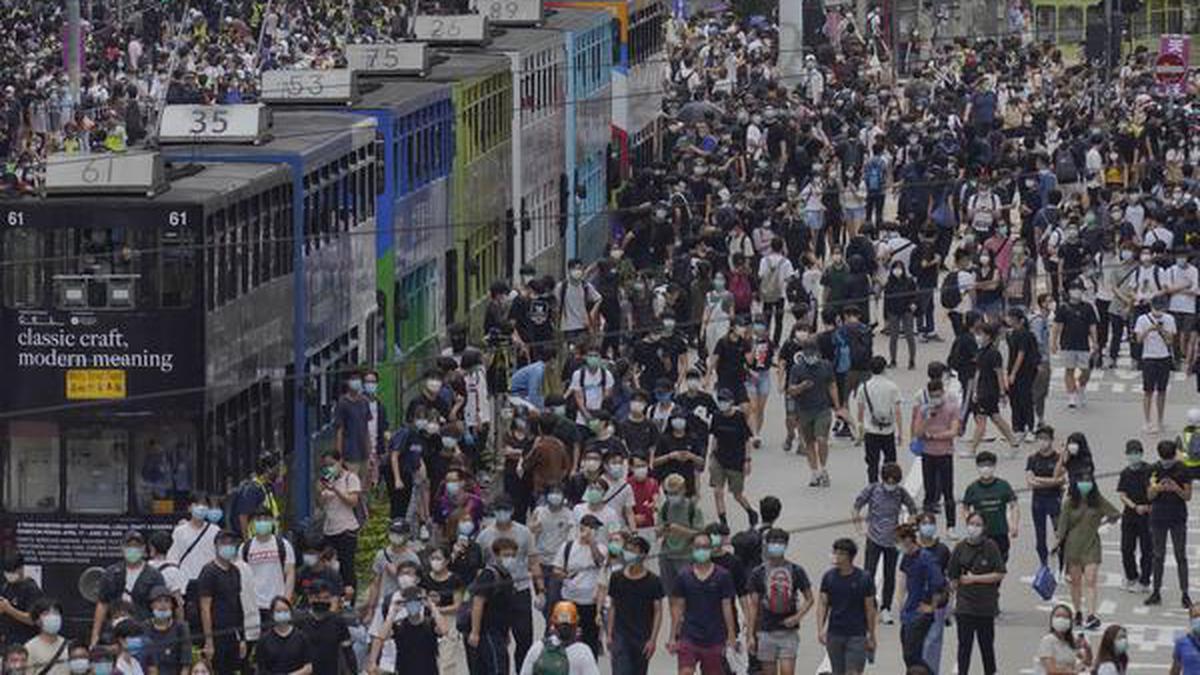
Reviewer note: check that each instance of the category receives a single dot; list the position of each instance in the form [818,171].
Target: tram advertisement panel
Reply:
[141,361]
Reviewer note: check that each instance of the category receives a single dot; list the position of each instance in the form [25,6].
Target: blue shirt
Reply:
[703,614]
[923,579]
[527,382]
[1187,654]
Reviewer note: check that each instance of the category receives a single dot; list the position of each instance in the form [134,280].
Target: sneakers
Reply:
[885,617]
[815,481]
[1078,619]
[824,479]
[1028,437]
[1144,589]
[753,516]
[1153,599]
[1186,601]
[1072,400]
[1082,398]
[1149,428]
[1128,585]
[1092,623]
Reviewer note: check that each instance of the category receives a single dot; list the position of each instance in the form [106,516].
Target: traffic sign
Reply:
[1171,66]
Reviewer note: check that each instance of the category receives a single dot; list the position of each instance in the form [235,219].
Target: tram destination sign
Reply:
[510,12]
[451,28]
[406,58]
[337,85]
[244,123]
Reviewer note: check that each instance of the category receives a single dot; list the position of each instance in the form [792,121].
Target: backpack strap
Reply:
[54,660]
[195,541]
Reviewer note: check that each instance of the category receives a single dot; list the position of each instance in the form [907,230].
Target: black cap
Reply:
[588,520]
[133,535]
[398,526]
[159,592]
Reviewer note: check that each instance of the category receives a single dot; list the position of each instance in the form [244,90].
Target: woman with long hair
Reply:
[1079,541]
[1061,652]
[1112,656]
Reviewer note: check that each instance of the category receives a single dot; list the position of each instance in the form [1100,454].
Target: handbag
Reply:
[1044,583]
[917,446]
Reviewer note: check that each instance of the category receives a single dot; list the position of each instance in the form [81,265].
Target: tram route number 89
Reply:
[503,10]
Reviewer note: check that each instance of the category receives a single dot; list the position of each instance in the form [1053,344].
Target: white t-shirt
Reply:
[579,658]
[339,517]
[592,385]
[582,571]
[1153,344]
[263,558]
[41,652]
[1059,652]
[1182,301]
[204,552]
[608,518]
[775,264]
[553,529]
[1157,234]
[899,249]
[966,282]
[884,395]
[619,497]
[172,574]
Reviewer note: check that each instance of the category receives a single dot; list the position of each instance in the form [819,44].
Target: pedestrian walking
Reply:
[975,571]
[846,612]
[1079,541]
[1133,489]
[884,501]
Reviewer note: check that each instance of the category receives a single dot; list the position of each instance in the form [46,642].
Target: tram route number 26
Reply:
[443,29]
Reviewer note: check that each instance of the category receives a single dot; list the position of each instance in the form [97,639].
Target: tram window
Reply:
[97,470]
[31,477]
[178,276]
[23,281]
[164,465]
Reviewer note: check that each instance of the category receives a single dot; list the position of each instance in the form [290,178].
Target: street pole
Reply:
[1108,27]
[74,37]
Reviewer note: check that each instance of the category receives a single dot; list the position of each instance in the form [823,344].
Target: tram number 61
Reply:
[97,171]
[15,218]
[177,219]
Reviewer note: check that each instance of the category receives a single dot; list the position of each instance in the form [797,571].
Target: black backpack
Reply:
[861,348]
[950,294]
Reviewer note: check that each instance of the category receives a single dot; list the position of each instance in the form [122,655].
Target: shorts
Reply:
[814,219]
[1076,358]
[847,652]
[856,214]
[758,383]
[719,476]
[986,405]
[738,389]
[813,425]
[1184,322]
[710,657]
[1155,374]
[778,645]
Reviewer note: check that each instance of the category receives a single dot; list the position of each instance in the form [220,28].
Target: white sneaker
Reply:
[885,617]
[1028,437]
[1144,589]
[1083,398]
[1072,400]
[1128,585]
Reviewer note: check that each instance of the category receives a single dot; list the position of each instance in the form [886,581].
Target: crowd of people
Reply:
[561,465]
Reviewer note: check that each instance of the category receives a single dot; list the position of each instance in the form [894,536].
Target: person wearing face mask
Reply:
[227,600]
[1184,289]
[1079,542]
[636,611]
[637,431]
[525,568]
[922,588]
[717,316]
[994,499]
[899,311]
[975,570]
[989,387]
[1132,489]
[846,611]
[435,396]
[283,650]
[679,451]
[1155,331]
[18,593]
[698,403]
[414,626]
[593,504]
[167,640]
[780,595]
[578,303]
[679,518]
[79,660]
[339,492]
[702,611]
[927,539]
[353,424]
[1186,656]
[1045,476]
[1074,337]
[883,501]
[812,396]
[645,492]
[591,386]
[1169,492]
[989,289]
[251,495]
[47,650]
[731,439]
[551,525]
[131,649]
[1061,652]
[272,561]
[591,468]
[879,417]
[130,580]
[1024,357]
[562,651]
[1112,656]
[936,421]
[580,565]
[619,495]
[192,541]
[385,567]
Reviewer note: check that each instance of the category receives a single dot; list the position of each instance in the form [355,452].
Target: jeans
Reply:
[937,472]
[895,324]
[1115,333]
[1103,324]
[1020,396]
[1178,532]
[589,627]
[971,628]
[912,639]
[627,657]
[490,657]
[1041,388]
[875,445]
[933,641]
[890,556]
[346,546]
[1135,534]
[773,312]
[925,311]
[553,590]
[956,322]
[226,659]
[1045,507]
[520,624]
[875,202]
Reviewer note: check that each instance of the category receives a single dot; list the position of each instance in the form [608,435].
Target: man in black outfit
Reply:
[1169,492]
[491,599]
[17,595]
[220,589]
[1023,360]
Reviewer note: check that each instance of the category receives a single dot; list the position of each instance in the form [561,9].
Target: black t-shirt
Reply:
[731,360]
[846,596]
[778,587]
[497,588]
[634,600]
[1076,319]
[1022,340]
[1135,483]
[533,317]
[1072,256]
[417,645]
[306,576]
[279,655]
[693,402]
[224,586]
[655,357]
[988,361]
[167,649]
[1042,466]
[444,590]
[639,436]
[1169,507]
[327,634]
[21,596]
[731,433]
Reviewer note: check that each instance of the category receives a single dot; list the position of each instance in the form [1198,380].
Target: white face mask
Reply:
[987,471]
[974,532]
[1061,624]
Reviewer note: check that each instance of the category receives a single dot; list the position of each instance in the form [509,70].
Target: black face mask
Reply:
[565,632]
[321,607]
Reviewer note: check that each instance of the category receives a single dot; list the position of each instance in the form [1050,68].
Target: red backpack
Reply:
[743,293]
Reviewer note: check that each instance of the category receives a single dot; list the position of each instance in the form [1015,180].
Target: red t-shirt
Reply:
[643,500]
